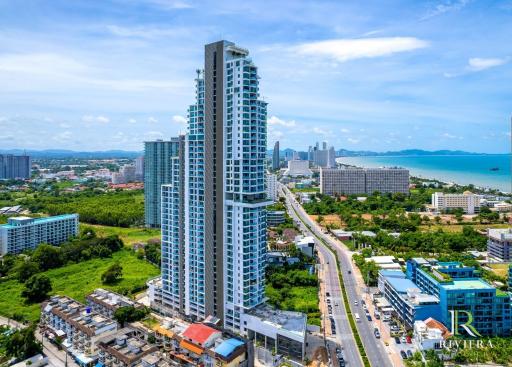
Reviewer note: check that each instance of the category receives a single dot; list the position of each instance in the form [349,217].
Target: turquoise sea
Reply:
[461,169]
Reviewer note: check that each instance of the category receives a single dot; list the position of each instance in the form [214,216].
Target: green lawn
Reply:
[78,280]
[300,299]
[128,235]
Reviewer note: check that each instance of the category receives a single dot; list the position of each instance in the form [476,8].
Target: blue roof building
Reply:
[463,296]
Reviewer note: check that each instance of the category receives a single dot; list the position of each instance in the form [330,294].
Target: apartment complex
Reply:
[126,174]
[353,181]
[271,181]
[215,263]
[125,348]
[15,167]
[24,233]
[325,157]
[77,325]
[139,168]
[276,159]
[499,244]
[297,168]
[107,302]
[158,157]
[467,201]
[464,296]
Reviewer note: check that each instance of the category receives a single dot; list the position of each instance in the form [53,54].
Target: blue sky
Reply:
[378,75]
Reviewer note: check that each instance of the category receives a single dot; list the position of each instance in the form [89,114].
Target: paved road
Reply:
[344,336]
[375,349]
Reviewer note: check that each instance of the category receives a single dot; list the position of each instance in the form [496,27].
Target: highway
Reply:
[375,349]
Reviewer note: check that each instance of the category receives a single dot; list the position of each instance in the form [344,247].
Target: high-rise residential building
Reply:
[467,201]
[158,157]
[298,168]
[24,233]
[217,196]
[272,187]
[275,157]
[126,174]
[325,157]
[499,243]
[15,167]
[351,181]
[139,168]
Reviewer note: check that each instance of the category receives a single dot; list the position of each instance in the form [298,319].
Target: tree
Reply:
[37,288]
[25,269]
[129,314]
[22,344]
[47,257]
[113,274]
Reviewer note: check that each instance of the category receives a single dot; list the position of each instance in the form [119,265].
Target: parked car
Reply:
[403,339]
[369,317]
[327,294]
[402,353]
[397,340]
[409,353]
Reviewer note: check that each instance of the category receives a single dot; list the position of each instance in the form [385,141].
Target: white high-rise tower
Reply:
[213,212]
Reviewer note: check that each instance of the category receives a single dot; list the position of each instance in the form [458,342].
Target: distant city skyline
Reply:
[108,75]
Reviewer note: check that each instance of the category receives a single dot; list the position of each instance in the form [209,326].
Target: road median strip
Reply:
[357,337]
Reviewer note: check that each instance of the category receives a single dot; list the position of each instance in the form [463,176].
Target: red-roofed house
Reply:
[201,335]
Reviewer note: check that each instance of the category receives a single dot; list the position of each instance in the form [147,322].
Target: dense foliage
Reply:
[130,314]
[437,242]
[37,288]
[21,344]
[500,352]
[113,274]
[119,208]
[291,287]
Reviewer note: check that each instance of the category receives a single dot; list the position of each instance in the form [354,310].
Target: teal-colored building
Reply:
[157,172]
[463,296]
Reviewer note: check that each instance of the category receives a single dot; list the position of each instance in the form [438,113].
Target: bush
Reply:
[113,274]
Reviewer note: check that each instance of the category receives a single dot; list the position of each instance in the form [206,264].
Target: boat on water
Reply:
[494,169]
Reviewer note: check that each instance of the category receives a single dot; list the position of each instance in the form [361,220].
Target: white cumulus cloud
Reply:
[479,64]
[350,49]
[274,120]
[152,120]
[179,119]
[100,119]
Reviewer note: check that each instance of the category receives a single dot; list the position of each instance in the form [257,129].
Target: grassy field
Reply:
[78,280]
[499,269]
[458,227]
[128,235]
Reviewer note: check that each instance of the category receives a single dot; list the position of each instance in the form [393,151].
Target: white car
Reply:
[355,303]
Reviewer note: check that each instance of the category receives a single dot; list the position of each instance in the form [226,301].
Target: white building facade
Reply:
[467,201]
[272,187]
[217,198]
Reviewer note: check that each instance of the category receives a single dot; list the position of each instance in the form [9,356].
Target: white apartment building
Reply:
[78,325]
[272,187]
[499,244]
[353,181]
[107,302]
[24,233]
[467,201]
[297,168]
[214,209]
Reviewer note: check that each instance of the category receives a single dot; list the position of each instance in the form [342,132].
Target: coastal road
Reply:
[375,349]
[344,336]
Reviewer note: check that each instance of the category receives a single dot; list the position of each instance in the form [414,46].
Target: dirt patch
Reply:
[320,357]
[330,219]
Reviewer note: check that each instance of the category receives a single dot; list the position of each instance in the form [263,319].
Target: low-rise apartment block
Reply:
[126,348]
[107,302]
[275,217]
[24,233]
[467,201]
[353,181]
[499,244]
[77,325]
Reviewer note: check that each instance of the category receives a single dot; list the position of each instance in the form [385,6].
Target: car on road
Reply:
[338,350]
[409,353]
[402,353]
[356,315]
[349,272]
[327,294]
[397,340]
[355,303]
[368,317]
[341,362]
[377,334]
[328,300]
